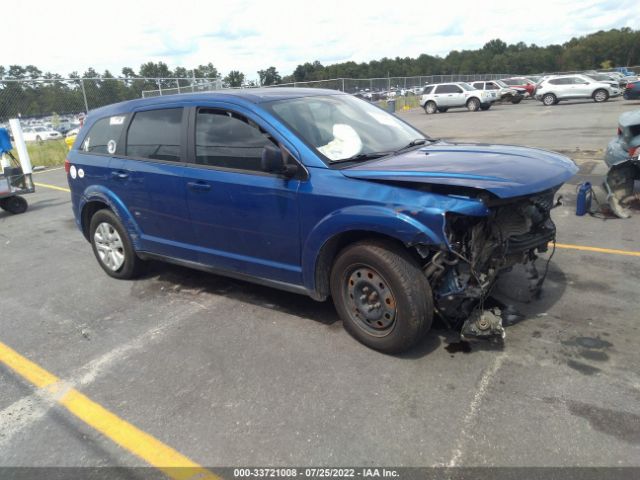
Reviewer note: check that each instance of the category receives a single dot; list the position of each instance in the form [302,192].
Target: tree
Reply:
[235,78]
[206,71]
[270,76]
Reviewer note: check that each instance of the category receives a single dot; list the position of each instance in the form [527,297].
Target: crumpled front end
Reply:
[624,166]
[462,277]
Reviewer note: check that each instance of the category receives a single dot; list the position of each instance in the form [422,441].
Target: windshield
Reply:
[501,83]
[341,127]
[466,86]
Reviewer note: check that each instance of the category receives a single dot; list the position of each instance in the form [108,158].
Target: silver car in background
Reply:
[555,88]
[440,97]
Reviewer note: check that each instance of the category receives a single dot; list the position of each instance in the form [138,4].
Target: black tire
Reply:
[430,107]
[402,294]
[507,98]
[14,205]
[473,104]
[516,100]
[485,107]
[600,95]
[549,99]
[443,109]
[132,265]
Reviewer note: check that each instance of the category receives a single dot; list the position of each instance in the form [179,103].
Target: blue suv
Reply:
[316,192]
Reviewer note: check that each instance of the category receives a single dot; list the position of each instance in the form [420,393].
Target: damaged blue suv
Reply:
[316,192]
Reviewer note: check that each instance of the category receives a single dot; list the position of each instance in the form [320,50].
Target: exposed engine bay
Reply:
[479,249]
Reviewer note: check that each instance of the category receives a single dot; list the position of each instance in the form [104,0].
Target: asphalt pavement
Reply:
[233,374]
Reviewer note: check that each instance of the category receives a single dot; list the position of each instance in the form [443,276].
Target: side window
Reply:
[556,81]
[455,89]
[104,135]
[478,85]
[491,86]
[428,90]
[155,134]
[228,140]
[442,89]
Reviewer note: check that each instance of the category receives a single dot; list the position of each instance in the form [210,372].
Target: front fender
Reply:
[99,193]
[401,225]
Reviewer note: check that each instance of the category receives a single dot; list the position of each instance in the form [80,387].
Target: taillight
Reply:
[67,165]
[633,151]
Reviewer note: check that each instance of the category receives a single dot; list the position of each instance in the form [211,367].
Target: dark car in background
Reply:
[632,91]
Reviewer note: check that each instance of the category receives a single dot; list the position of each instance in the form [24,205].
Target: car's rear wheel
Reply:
[382,296]
[430,108]
[15,204]
[600,95]
[473,104]
[112,246]
[549,99]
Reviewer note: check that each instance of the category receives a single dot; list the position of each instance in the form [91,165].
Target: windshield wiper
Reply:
[363,156]
[415,143]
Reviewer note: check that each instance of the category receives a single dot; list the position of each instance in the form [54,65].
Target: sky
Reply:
[250,35]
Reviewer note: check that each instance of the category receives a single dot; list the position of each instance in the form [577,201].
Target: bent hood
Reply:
[504,170]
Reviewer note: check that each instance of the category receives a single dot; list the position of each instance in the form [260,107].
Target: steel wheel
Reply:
[109,246]
[372,304]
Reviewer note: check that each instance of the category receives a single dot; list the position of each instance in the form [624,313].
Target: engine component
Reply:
[483,325]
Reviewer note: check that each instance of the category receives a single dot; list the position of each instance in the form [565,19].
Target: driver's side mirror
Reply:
[273,161]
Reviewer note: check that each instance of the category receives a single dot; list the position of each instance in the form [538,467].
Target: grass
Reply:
[402,102]
[47,154]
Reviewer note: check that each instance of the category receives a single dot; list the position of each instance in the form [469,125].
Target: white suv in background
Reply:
[553,89]
[440,97]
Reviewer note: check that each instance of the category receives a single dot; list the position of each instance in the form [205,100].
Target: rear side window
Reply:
[228,140]
[104,135]
[478,85]
[155,134]
[448,89]
[427,90]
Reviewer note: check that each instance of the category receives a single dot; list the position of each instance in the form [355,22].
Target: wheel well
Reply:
[599,90]
[88,211]
[474,98]
[335,245]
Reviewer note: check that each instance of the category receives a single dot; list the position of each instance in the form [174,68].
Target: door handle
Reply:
[199,186]
[119,174]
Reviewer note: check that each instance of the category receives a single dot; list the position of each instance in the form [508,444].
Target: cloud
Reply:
[249,35]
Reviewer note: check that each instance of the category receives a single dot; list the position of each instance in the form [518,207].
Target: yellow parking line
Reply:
[53,187]
[598,249]
[151,450]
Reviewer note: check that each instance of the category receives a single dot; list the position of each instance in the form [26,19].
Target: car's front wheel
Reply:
[549,99]
[382,295]
[112,246]
[473,104]
[430,108]
[600,95]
